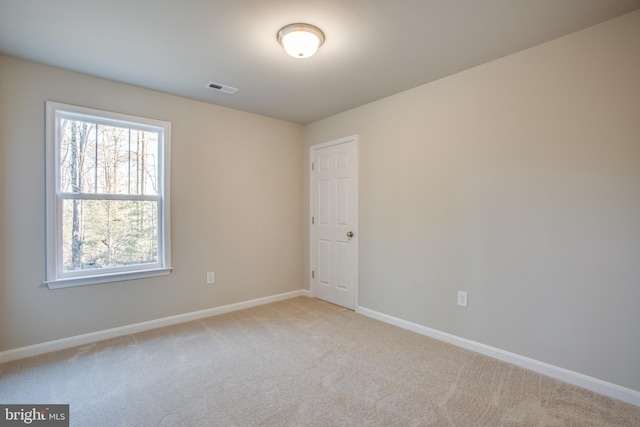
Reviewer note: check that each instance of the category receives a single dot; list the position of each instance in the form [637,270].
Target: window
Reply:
[107,196]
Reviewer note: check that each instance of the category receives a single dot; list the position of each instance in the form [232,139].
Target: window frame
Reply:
[56,277]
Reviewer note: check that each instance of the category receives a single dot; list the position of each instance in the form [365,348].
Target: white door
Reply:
[334,221]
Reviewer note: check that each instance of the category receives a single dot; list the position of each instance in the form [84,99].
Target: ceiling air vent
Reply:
[222,88]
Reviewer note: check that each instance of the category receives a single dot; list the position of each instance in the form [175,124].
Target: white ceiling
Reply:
[373,48]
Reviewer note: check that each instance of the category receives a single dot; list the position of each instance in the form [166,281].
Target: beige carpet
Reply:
[300,362]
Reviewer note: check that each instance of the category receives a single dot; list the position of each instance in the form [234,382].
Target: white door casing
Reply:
[334,221]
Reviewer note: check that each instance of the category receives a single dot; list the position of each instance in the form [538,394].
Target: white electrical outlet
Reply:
[211,278]
[462,299]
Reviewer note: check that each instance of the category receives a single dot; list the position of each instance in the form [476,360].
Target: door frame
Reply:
[312,209]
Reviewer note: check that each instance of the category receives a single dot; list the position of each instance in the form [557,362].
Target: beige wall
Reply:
[519,182]
[236,193]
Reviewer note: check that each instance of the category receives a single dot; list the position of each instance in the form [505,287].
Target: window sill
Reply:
[106,278]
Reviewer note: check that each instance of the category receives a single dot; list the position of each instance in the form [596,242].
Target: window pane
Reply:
[108,233]
[143,162]
[77,159]
[96,158]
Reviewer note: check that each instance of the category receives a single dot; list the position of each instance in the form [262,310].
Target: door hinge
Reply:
[313,274]
[313,166]
[313,220]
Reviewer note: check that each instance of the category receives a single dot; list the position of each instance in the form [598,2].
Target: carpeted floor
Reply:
[300,362]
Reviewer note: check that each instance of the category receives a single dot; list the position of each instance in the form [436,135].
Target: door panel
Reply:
[324,255]
[323,201]
[342,267]
[342,202]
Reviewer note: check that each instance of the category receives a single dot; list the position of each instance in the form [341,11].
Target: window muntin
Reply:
[107,196]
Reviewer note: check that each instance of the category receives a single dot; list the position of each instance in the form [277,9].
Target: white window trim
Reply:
[55,278]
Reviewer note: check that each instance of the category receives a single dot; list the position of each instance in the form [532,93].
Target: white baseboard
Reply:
[596,385]
[46,347]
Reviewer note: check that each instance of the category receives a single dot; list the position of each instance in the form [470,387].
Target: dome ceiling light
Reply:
[300,40]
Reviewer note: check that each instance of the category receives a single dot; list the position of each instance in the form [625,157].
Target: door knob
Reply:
[350,234]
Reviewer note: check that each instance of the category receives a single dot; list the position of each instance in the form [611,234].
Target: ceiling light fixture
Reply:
[300,40]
